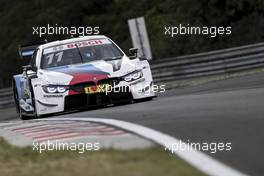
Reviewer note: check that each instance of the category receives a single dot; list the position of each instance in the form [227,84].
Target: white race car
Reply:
[79,73]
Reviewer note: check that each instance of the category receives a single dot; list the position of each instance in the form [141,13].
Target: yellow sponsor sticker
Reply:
[97,89]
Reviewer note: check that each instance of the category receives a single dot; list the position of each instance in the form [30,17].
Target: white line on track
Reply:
[197,159]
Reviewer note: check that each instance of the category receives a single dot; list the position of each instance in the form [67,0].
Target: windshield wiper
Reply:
[113,58]
[79,52]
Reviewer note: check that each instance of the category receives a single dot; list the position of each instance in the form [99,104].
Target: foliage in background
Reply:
[17,18]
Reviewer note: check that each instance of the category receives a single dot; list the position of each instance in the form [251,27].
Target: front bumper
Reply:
[78,99]
[90,100]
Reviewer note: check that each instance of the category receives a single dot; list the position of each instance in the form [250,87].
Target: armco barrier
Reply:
[6,98]
[192,66]
[209,63]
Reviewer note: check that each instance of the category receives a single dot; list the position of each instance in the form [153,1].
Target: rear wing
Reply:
[27,51]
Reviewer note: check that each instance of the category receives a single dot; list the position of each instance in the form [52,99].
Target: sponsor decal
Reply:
[88,43]
[79,44]
[97,89]
[53,96]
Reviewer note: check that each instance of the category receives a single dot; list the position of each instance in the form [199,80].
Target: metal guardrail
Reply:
[192,66]
[217,62]
[6,98]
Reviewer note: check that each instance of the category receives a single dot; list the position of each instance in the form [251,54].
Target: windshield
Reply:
[79,52]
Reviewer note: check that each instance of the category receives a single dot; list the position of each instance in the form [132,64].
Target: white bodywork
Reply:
[47,103]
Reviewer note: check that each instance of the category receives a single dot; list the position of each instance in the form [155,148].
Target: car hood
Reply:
[92,71]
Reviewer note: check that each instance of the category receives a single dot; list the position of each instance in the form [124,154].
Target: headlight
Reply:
[133,76]
[55,88]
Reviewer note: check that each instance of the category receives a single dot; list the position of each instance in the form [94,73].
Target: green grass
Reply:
[155,162]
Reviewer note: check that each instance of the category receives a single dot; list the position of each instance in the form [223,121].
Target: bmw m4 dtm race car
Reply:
[78,73]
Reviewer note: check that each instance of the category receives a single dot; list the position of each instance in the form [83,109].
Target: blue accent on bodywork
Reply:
[18,85]
[79,69]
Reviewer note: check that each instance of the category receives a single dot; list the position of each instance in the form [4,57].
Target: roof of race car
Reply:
[61,42]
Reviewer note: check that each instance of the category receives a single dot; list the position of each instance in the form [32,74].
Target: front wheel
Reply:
[22,116]
[20,112]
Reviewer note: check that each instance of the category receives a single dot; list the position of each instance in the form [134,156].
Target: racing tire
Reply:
[18,109]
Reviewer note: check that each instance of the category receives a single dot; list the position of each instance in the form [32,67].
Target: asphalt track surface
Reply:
[231,110]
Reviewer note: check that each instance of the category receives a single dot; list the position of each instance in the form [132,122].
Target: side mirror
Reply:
[133,52]
[33,71]
[27,68]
